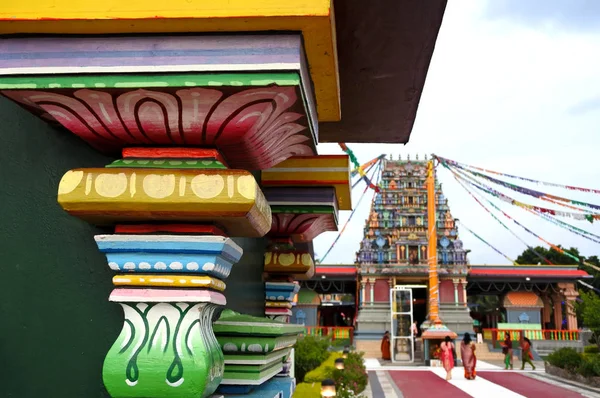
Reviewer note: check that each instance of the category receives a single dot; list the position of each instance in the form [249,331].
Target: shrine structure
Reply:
[395,251]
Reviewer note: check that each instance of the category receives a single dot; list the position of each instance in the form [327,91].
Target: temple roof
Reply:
[337,272]
[535,272]
[552,273]
[522,299]
[308,297]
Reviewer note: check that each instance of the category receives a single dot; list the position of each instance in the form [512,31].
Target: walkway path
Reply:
[492,381]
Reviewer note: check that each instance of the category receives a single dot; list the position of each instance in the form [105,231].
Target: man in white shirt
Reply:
[414,331]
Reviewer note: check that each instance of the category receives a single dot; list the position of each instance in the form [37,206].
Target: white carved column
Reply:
[363,288]
[455,282]
[372,289]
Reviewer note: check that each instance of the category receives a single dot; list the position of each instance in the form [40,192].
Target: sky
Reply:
[513,86]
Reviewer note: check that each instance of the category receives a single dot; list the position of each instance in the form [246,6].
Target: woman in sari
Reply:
[385,347]
[447,348]
[467,353]
[526,355]
[507,350]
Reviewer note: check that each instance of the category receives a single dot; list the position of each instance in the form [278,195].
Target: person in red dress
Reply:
[385,347]
[447,356]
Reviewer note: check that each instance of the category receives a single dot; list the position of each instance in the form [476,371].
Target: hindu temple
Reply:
[394,252]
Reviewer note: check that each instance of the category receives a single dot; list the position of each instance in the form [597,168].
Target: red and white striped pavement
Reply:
[491,382]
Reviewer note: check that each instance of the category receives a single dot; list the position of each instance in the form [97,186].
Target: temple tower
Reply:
[394,251]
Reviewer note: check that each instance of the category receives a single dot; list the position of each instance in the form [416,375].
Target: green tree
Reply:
[589,310]
[595,273]
[554,256]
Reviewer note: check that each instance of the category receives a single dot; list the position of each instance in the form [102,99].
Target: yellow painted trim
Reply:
[278,304]
[114,9]
[288,262]
[314,18]
[169,281]
[330,161]
[231,198]
[314,171]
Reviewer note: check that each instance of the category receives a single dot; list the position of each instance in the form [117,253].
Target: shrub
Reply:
[586,368]
[565,358]
[340,342]
[590,366]
[309,353]
[324,370]
[591,349]
[353,379]
[308,390]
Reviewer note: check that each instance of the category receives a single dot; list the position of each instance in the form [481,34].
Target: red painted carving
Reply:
[301,227]
[253,128]
[194,229]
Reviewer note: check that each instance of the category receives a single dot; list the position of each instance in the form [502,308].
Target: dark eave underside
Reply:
[384,51]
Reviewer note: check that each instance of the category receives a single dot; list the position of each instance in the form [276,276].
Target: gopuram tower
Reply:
[394,252]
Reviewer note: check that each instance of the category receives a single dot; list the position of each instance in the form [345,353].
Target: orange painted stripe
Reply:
[171,228]
[174,153]
[303,182]
[333,270]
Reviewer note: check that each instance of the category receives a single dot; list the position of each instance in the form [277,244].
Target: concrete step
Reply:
[483,353]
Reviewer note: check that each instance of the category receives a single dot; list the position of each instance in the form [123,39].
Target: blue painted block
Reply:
[281,291]
[286,384]
[278,387]
[234,390]
[210,255]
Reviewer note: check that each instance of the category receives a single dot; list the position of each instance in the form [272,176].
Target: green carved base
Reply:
[165,350]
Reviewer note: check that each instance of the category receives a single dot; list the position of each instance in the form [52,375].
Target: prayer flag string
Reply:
[550,184]
[553,246]
[564,225]
[532,192]
[491,191]
[489,244]
[375,173]
[360,169]
[457,177]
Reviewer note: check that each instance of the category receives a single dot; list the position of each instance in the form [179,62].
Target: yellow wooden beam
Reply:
[311,171]
[230,198]
[166,280]
[314,18]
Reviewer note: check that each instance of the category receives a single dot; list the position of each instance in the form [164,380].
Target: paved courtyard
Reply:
[386,381]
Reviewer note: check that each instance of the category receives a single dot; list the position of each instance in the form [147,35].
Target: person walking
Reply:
[526,355]
[467,353]
[507,350]
[414,331]
[385,347]
[448,351]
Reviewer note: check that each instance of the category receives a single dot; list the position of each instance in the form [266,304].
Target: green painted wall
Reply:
[56,322]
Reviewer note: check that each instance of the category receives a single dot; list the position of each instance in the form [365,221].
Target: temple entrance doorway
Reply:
[401,308]
[419,305]
[408,304]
